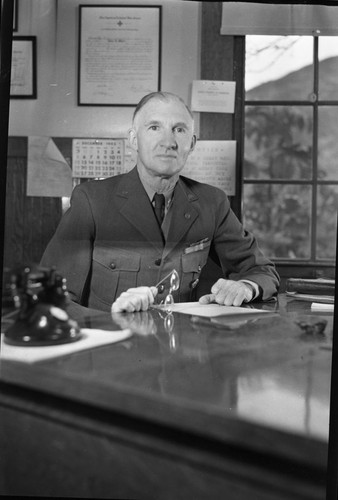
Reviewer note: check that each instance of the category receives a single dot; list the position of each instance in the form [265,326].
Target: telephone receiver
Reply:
[40,296]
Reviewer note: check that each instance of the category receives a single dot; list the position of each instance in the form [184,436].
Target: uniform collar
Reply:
[150,192]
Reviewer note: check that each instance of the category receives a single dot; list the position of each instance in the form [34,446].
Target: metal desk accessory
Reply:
[40,297]
[174,285]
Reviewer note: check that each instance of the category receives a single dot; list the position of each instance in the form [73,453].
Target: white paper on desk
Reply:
[213,96]
[321,307]
[91,338]
[210,310]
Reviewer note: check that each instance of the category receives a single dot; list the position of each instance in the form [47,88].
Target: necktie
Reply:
[159,207]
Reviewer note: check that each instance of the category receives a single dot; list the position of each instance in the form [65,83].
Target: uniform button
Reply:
[112,265]
[187,215]
[157,262]
[161,289]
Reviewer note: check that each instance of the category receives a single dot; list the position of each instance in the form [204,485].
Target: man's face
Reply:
[163,137]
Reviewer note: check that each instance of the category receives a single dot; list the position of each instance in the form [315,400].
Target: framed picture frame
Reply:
[23,71]
[15,15]
[119,57]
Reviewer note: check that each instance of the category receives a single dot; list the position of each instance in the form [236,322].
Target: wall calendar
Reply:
[97,158]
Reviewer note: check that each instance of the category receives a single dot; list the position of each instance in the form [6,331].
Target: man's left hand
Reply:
[228,293]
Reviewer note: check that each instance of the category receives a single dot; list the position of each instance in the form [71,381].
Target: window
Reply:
[290,169]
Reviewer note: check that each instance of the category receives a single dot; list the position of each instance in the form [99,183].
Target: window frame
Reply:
[312,267]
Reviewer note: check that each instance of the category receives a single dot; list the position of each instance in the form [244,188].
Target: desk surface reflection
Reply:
[257,386]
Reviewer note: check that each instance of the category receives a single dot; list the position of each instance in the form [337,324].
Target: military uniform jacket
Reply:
[109,240]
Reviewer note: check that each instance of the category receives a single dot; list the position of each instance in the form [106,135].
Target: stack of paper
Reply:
[315,290]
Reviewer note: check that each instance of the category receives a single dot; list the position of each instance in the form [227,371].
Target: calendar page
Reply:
[97,158]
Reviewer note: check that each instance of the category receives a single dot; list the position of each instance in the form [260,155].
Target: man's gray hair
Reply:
[163,96]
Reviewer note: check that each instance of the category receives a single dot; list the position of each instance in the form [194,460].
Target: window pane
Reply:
[327,143]
[279,217]
[279,68]
[327,221]
[328,67]
[278,142]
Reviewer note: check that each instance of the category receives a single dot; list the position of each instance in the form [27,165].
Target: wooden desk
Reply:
[181,410]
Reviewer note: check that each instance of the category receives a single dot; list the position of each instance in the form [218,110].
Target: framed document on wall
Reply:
[23,70]
[119,54]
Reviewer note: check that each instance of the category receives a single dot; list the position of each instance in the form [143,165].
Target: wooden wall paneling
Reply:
[14,212]
[238,134]
[222,59]
[217,62]
[42,217]
[30,221]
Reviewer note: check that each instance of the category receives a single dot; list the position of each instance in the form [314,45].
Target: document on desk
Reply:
[325,299]
[210,310]
[321,307]
[90,339]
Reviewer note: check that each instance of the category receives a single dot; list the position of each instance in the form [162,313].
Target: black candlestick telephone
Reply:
[40,295]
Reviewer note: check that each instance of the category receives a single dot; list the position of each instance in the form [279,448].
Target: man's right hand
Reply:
[135,299]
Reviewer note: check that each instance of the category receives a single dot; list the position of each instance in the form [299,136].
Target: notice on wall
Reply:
[98,158]
[213,162]
[23,68]
[48,173]
[213,96]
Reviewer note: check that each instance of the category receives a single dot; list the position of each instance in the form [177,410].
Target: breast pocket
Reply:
[114,271]
[192,265]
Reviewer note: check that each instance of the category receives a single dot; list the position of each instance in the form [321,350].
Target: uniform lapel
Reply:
[136,208]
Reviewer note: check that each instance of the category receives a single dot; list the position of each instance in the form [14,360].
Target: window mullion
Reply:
[315,151]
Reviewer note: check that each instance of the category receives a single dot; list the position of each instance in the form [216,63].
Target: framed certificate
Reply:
[119,54]
[23,70]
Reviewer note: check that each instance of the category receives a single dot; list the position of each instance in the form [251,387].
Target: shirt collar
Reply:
[150,192]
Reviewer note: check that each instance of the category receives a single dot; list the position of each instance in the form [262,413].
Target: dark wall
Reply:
[30,221]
